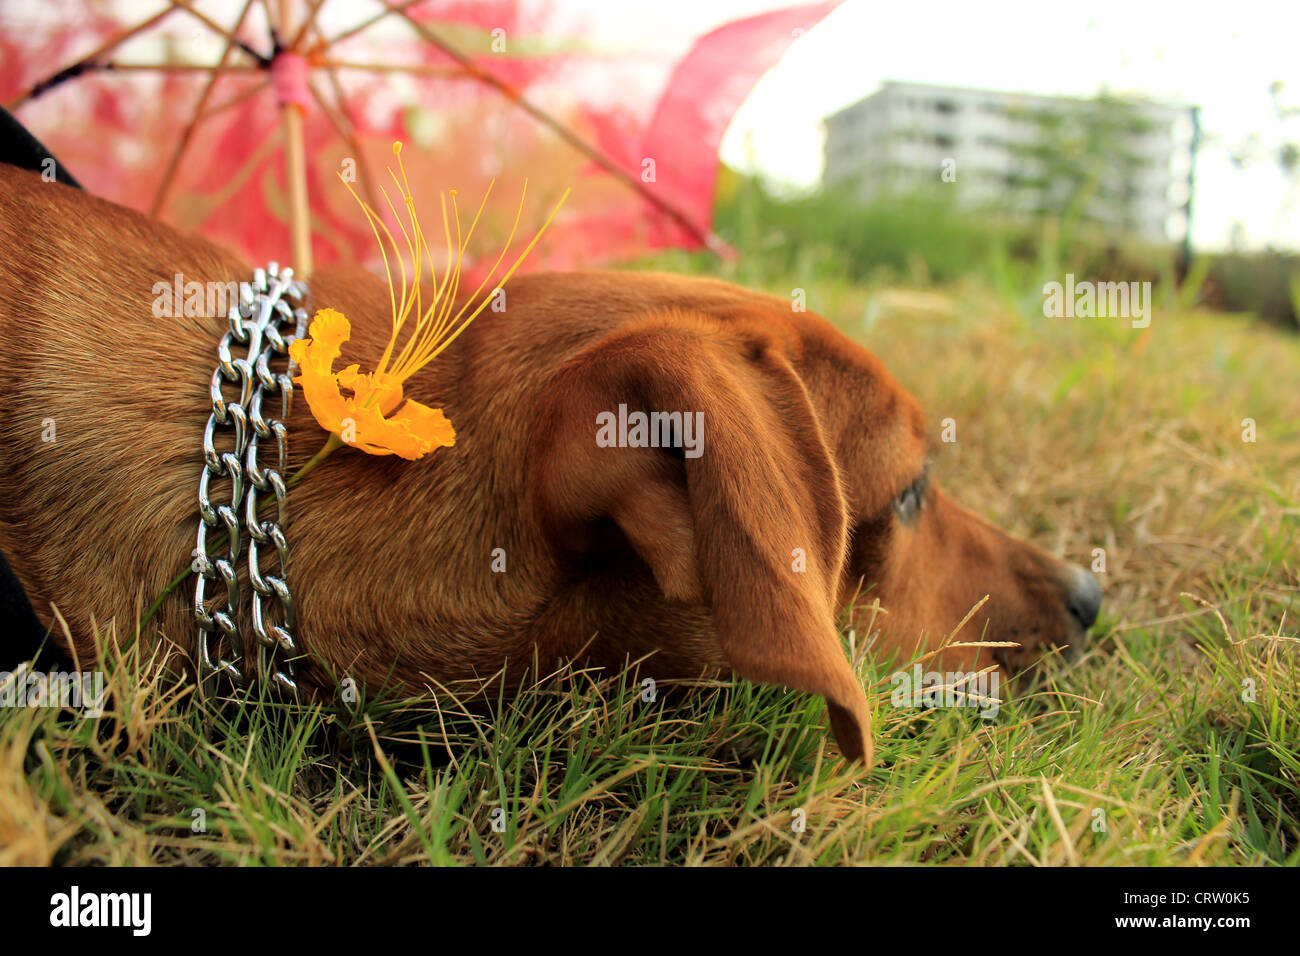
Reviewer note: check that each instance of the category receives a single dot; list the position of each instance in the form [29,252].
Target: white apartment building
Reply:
[1002,147]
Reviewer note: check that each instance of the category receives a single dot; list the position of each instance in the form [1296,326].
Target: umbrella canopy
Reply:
[235,118]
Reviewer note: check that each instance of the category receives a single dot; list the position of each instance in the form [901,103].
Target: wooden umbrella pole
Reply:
[295,173]
[289,77]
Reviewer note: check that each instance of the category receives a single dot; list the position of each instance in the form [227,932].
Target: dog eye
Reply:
[907,505]
[909,502]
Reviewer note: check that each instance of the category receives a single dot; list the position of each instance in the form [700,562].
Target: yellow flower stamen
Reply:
[374,417]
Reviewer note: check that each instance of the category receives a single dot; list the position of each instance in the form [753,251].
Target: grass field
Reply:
[1173,740]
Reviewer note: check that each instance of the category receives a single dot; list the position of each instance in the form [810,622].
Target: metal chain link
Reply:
[270,307]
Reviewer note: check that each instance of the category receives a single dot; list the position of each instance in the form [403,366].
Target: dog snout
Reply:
[1083,596]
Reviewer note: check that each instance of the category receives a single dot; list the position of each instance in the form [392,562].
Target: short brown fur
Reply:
[612,553]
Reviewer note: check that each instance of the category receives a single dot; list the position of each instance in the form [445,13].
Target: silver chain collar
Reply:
[271,307]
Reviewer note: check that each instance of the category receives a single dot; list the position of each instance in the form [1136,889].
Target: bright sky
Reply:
[1220,56]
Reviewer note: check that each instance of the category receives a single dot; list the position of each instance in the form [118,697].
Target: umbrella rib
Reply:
[87,62]
[91,61]
[309,22]
[114,66]
[339,115]
[706,238]
[238,98]
[353,30]
[161,195]
[221,31]
[420,69]
[349,136]
[270,17]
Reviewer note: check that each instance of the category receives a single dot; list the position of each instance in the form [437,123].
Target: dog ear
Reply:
[745,516]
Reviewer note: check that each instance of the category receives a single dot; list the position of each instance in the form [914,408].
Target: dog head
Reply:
[926,558]
[806,481]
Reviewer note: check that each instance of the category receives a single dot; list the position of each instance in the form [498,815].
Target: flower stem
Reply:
[332,443]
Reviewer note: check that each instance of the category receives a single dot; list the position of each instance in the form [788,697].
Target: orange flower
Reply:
[365,420]
[373,417]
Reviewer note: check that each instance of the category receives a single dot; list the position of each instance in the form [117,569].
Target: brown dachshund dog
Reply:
[806,482]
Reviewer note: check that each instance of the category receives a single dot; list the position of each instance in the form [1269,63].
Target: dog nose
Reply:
[1083,596]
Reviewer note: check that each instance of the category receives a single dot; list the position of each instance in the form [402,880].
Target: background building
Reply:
[1126,164]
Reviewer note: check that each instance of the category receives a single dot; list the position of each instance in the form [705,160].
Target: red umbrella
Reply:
[207,120]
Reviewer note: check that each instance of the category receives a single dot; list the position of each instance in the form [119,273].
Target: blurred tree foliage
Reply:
[1081,163]
[1067,208]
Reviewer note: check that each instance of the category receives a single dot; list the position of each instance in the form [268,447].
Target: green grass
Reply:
[1148,750]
